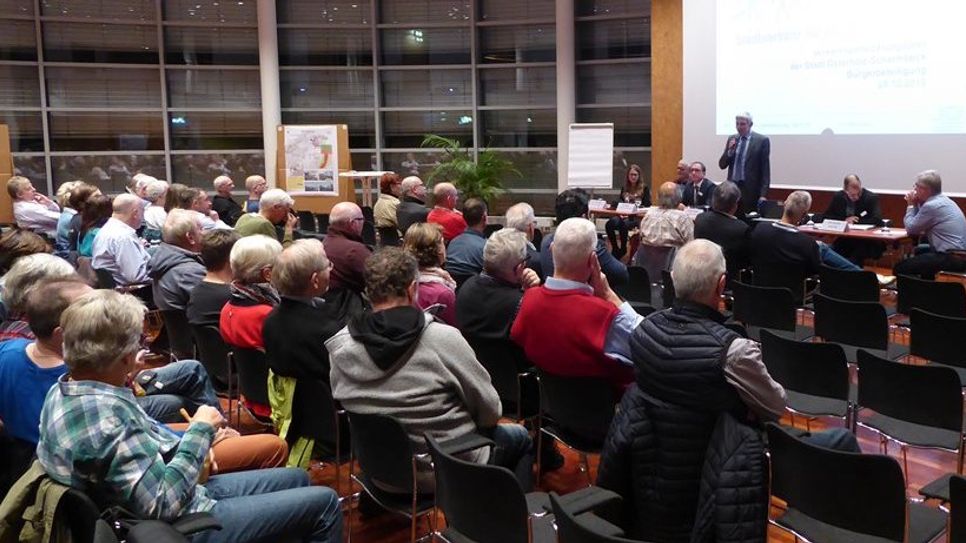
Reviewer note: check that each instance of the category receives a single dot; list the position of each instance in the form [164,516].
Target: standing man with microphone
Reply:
[747,158]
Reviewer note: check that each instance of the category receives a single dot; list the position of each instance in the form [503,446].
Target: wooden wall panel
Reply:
[667,90]
[6,172]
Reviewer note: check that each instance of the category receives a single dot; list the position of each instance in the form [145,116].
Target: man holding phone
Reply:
[274,207]
[747,158]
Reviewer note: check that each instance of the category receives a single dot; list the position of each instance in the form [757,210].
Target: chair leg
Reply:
[905,461]
[962,451]
[539,424]
[585,467]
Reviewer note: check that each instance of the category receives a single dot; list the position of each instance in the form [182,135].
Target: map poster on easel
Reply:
[311,159]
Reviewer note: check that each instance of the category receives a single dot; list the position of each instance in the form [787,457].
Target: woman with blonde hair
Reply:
[436,288]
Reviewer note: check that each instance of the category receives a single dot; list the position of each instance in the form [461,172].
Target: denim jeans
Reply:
[183,384]
[272,505]
[834,260]
[514,451]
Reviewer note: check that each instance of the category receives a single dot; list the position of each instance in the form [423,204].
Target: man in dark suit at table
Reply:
[856,205]
[722,227]
[697,192]
[747,157]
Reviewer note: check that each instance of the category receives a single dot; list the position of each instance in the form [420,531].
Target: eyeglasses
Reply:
[359,219]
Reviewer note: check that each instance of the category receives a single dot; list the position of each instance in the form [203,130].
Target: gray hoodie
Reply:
[174,272]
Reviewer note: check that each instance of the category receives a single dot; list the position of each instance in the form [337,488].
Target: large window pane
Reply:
[111,173]
[200,45]
[424,11]
[362,124]
[214,88]
[538,169]
[26,130]
[426,46]
[323,47]
[362,161]
[518,86]
[632,125]
[619,38]
[612,7]
[19,86]
[103,87]
[75,42]
[407,128]
[105,131]
[427,88]
[614,83]
[323,11]
[519,128]
[17,8]
[518,43]
[211,11]
[419,163]
[215,130]
[509,10]
[326,88]
[18,40]
[33,168]
[138,10]
[199,170]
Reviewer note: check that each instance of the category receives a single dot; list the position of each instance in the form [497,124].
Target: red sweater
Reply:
[241,326]
[452,222]
[563,333]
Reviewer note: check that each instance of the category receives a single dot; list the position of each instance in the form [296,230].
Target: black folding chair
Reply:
[938,339]
[771,308]
[368,227]
[322,222]
[856,286]
[214,355]
[836,496]
[792,278]
[586,527]
[941,298]
[815,377]
[180,339]
[388,236]
[638,287]
[915,406]
[252,370]
[855,325]
[667,290]
[512,375]
[490,228]
[957,510]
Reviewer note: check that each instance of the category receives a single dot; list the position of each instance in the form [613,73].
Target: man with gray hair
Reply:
[222,202]
[521,217]
[573,326]
[117,248]
[176,267]
[747,157]
[720,225]
[445,197]
[412,207]
[274,208]
[932,214]
[345,248]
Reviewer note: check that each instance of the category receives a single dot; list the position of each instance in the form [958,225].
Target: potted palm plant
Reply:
[482,178]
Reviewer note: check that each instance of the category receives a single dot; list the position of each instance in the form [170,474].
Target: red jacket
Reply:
[452,221]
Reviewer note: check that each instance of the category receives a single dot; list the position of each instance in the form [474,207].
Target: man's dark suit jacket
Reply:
[410,212]
[867,203]
[728,232]
[705,188]
[757,170]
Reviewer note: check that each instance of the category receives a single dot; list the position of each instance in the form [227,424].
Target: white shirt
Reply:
[154,217]
[37,217]
[118,249]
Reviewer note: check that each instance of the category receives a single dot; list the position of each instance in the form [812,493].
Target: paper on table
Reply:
[861,226]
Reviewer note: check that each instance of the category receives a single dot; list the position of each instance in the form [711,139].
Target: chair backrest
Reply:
[667,294]
[654,258]
[857,286]
[937,338]
[925,395]
[862,324]
[819,369]
[570,529]
[829,485]
[105,279]
[490,228]
[252,371]
[368,227]
[770,209]
[180,338]
[388,236]
[17,456]
[768,307]
[790,277]
[638,287]
[937,297]
[484,503]
[583,406]
[322,222]
[502,359]
[213,353]
[314,412]
[81,514]
[957,511]
[383,448]
[307,221]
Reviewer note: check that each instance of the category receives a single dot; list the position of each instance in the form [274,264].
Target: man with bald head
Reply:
[344,247]
[117,247]
[444,214]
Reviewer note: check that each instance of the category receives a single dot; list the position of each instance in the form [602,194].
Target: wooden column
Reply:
[667,90]
[6,172]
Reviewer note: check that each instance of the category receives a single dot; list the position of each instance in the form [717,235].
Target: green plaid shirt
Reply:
[95,437]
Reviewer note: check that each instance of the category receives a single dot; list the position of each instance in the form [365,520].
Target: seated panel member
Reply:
[856,205]
[697,192]
[936,217]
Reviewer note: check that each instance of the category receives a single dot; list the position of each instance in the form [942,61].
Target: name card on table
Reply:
[626,207]
[831,225]
[596,205]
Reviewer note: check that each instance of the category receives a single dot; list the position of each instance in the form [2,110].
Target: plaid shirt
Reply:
[666,227]
[96,437]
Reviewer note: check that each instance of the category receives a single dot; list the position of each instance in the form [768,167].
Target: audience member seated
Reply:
[223,203]
[97,211]
[275,207]
[117,247]
[26,273]
[78,200]
[384,211]
[412,207]
[344,247]
[67,213]
[209,296]
[156,193]
[256,185]
[173,198]
[573,203]
[252,297]
[666,225]
[96,437]
[634,190]
[856,205]
[16,243]
[176,267]
[197,200]
[464,255]
[572,328]
[445,198]
[932,214]
[32,210]
[437,289]
[697,192]
[138,184]
[692,372]
[721,226]
[522,218]
[400,362]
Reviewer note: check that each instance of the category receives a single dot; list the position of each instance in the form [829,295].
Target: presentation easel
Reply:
[313,202]
[6,172]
